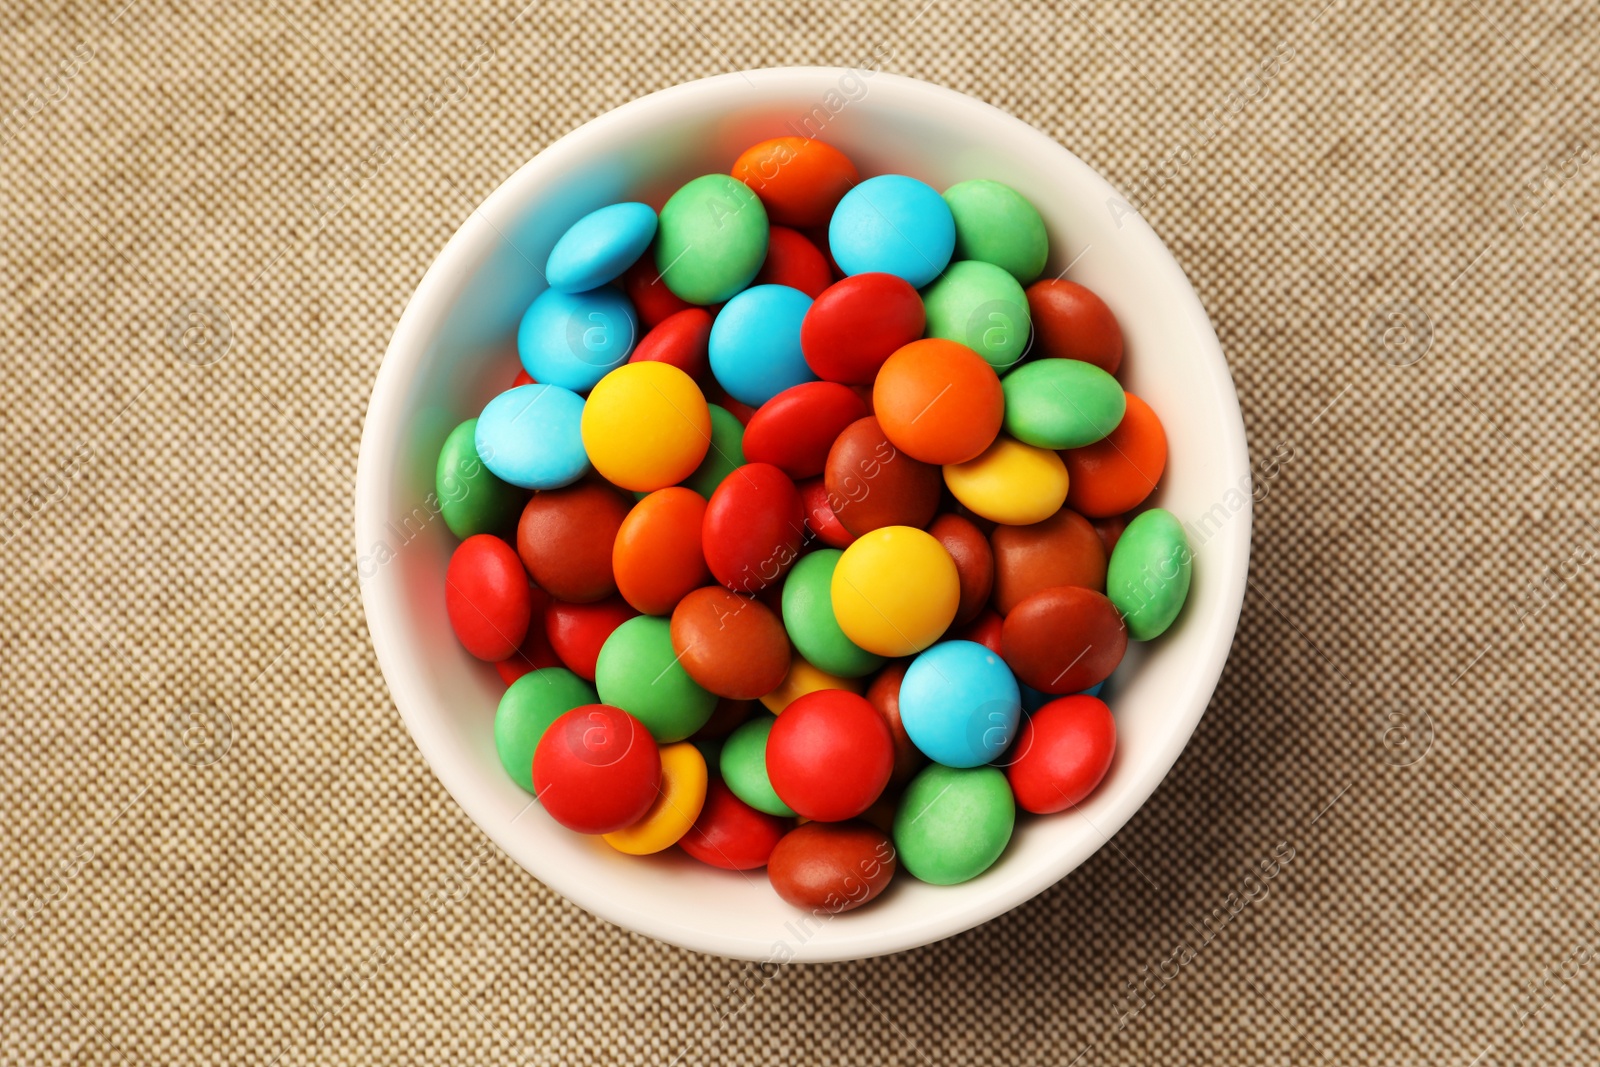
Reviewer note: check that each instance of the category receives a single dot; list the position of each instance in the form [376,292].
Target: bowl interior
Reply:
[454,349]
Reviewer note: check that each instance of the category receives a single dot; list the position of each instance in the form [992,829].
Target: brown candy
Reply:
[731,645]
[1063,639]
[565,538]
[871,484]
[1062,550]
[1071,322]
[974,562]
[884,694]
[828,868]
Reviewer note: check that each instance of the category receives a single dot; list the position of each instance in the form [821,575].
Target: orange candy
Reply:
[657,556]
[799,180]
[938,401]
[1116,474]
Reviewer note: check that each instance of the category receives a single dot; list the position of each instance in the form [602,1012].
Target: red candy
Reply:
[731,834]
[829,755]
[984,630]
[820,519]
[795,429]
[794,261]
[974,562]
[577,631]
[652,301]
[857,324]
[535,651]
[1064,640]
[884,694]
[522,378]
[828,868]
[657,556]
[486,597]
[565,538]
[871,484]
[1064,750]
[679,339]
[753,528]
[597,769]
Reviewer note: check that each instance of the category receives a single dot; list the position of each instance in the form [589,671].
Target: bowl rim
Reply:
[428,309]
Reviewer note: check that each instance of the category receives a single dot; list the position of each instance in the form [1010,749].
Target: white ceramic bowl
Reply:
[454,349]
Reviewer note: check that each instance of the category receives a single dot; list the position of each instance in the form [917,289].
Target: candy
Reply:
[600,246]
[975,565]
[731,834]
[1063,752]
[960,704]
[984,630]
[829,755]
[857,323]
[639,672]
[803,678]
[1116,474]
[755,343]
[577,632]
[535,652]
[1010,482]
[872,484]
[983,307]
[679,339]
[894,224]
[724,455]
[527,709]
[996,224]
[731,645]
[657,558]
[573,339]
[1062,403]
[884,694]
[820,519]
[753,528]
[953,823]
[808,618]
[895,591]
[711,240]
[794,261]
[646,426]
[799,179]
[1063,639]
[744,766]
[1070,322]
[564,539]
[938,402]
[1061,550]
[795,429]
[486,597]
[683,794]
[652,301]
[828,868]
[471,499]
[1148,577]
[529,436]
[596,770]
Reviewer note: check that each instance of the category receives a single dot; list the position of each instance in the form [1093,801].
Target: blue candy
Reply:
[529,436]
[574,339]
[600,246]
[960,704]
[755,343]
[893,224]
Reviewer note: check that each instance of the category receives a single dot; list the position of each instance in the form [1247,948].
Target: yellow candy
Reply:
[803,678]
[1010,483]
[683,793]
[895,591]
[646,426]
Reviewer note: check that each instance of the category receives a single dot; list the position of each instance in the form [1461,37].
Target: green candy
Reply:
[1062,403]
[711,239]
[472,500]
[953,822]
[639,672]
[996,224]
[1148,576]
[725,455]
[808,616]
[981,306]
[526,711]
[744,766]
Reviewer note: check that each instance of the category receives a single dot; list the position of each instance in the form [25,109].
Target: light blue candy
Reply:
[1033,700]
[574,339]
[529,436]
[960,704]
[893,224]
[600,246]
[755,343]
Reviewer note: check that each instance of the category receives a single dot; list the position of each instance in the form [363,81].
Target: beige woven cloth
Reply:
[1388,210]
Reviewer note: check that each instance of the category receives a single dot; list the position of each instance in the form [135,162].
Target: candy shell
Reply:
[731,645]
[657,558]
[803,678]
[794,261]
[808,618]
[795,429]
[600,246]
[1117,473]
[652,301]
[1148,577]
[820,519]
[895,591]
[982,307]
[893,224]
[646,426]
[486,597]
[1061,403]
[953,823]
[577,632]
[711,239]
[755,343]
[829,755]
[471,499]
[1064,639]
[639,672]
[1061,550]
[573,339]
[724,454]
[829,868]
[1010,482]
[1070,322]
[565,536]
[871,484]
[938,401]
[596,770]
[857,323]
[884,694]
[744,766]
[960,704]
[684,781]
[529,436]
[753,528]
[1064,751]
[527,709]
[679,339]
[799,179]
[730,834]
[996,224]
[974,561]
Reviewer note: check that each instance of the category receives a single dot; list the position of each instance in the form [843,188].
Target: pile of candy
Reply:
[824,571]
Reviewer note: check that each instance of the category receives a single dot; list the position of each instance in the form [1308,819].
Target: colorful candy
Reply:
[953,823]
[1064,751]
[1116,474]
[829,755]
[724,454]
[938,401]
[646,426]
[744,766]
[1062,403]
[471,499]
[895,590]
[682,795]
[1148,577]
[808,617]
[527,709]
[795,429]
[799,179]
[578,632]
[974,560]
[596,769]
[996,224]
[680,339]
[529,436]
[792,260]
[857,323]
[1010,482]
[803,678]
[828,868]
[564,539]
[1064,639]
[960,704]
[573,339]
[732,645]
[1061,550]
[639,672]
[656,555]
[600,246]
[982,307]
[893,224]
[753,528]
[731,834]
[486,597]
[871,484]
[711,240]
[755,343]
[1071,322]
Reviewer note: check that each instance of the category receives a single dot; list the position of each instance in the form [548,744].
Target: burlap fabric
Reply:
[1380,845]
